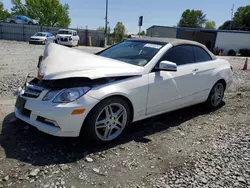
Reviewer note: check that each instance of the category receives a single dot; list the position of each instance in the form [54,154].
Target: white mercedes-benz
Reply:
[98,95]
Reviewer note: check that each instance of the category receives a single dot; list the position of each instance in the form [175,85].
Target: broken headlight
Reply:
[71,94]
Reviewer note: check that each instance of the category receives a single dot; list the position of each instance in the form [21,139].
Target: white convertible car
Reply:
[99,95]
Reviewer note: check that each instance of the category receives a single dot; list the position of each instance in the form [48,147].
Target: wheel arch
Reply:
[223,81]
[220,80]
[131,107]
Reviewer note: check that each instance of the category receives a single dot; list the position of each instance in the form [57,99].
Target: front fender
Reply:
[135,89]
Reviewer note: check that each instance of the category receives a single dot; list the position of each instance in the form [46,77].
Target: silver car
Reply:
[42,38]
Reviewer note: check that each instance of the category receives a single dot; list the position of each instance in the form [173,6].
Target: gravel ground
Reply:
[191,147]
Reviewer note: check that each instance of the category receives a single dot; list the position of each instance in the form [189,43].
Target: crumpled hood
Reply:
[63,62]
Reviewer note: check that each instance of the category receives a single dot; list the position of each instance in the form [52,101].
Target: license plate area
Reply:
[20,103]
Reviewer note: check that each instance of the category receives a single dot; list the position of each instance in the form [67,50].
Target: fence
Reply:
[22,32]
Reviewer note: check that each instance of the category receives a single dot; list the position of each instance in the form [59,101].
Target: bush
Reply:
[231,53]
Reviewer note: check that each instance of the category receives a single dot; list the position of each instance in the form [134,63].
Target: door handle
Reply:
[195,71]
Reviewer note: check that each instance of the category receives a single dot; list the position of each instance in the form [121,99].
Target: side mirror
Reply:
[167,66]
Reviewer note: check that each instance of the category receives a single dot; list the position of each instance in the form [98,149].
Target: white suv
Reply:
[67,37]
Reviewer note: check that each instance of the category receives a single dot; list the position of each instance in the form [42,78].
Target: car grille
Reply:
[64,39]
[35,39]
[32,91]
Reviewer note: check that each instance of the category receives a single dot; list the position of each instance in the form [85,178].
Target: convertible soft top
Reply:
[174,42]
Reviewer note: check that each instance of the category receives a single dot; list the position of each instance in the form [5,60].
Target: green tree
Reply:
[119,32]
[48,12]
[101,28]
[210,25]
[192,18]
[226,25]
[18,7]
[3,13]
[242,18]
[142,33]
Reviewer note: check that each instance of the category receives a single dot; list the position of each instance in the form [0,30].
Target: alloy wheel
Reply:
[111,121]
[217,94]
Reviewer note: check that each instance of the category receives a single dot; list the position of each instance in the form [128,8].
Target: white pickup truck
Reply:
[67,37]
[22,20]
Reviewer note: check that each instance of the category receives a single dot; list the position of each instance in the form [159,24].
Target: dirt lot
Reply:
[192,147]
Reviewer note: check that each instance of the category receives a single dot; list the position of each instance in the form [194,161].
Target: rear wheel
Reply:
[30,23]
[216,95]
[107,120]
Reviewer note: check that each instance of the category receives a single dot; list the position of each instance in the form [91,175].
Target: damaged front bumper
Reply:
[52,118]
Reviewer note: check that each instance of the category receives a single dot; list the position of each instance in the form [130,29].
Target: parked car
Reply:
[67,37]
[22,20]
[42,38]
[99,95]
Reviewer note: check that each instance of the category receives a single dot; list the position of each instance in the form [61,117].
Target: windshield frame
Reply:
[136,40]
[44,34]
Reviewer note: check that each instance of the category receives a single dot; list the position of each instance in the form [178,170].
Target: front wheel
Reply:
[107,120]
[216,95]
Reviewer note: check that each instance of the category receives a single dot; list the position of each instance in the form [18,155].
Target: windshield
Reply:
[133,52]
[65,32]
[40,34]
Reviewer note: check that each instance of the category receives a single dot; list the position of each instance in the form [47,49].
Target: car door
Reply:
[205,67]
[19,19]
[172,90]
[49,37]
[23,19]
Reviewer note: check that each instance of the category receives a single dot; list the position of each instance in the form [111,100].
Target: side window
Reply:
[18,17]
[200,54]
[180,55]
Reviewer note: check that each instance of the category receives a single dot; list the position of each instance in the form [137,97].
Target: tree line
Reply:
[53,13]
[197,19]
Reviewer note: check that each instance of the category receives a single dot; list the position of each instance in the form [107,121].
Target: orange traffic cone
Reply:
[245,65]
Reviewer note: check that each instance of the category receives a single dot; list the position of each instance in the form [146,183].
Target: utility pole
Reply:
[232,12]
[106,24]
[106,18]
[140,24]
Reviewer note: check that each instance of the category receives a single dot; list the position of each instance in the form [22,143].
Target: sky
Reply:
[91,13]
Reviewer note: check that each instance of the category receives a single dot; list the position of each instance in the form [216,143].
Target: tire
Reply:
[108,129]
[30,23]
[12,22]
[45,42]
[216,95]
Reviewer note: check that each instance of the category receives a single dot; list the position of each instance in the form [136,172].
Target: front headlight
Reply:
[71,94]
[50,95]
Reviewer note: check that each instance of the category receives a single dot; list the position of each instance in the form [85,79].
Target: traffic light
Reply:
[140,21]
